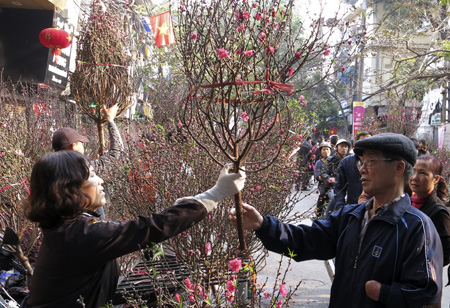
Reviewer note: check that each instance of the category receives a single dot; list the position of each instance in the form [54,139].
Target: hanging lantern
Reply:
[55,39]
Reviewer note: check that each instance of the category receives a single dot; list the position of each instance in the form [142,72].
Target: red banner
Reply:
[162,29]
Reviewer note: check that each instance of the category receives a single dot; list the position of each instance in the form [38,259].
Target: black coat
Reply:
[438,212]
[77,258]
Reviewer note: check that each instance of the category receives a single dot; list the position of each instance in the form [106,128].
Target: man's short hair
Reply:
[334,139]
[363,133]
[64,137]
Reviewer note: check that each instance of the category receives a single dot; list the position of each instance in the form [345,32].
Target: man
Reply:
[325,151]
[388,253]
[304,156]
[423,148]
[348,179]
[69,139]
[329,172]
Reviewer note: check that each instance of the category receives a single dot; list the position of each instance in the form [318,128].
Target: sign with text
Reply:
[358,116]
[58,66]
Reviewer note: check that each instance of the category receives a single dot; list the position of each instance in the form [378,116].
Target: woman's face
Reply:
[325,151]
[423,180]
[93,187]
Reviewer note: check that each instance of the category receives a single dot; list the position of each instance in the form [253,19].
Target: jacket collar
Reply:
[392,214]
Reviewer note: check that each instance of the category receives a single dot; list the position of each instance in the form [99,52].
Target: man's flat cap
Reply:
[389,143]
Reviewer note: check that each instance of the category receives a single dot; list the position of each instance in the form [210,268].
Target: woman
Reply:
[429,190]
[325,151]
[76,262]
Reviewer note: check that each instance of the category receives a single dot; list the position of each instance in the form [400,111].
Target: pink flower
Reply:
[280,303]
[19,152]
[208,249]
[194,35]
[241,28]
[266,295]
[298,55]
[246,15]
[283,290]
[187,282]
[343,69]
[255,5]
[238,52]
[230,296]
[258,187]
[231,287]
[178,298]
[235,265]
[281,131]
[249,52]
[276,25]
[179,125]
[258,16]
[262,36]
[301,98]
[223,53]
[327,52]
[290,72]
[111,49]
[244,116]
[271,49]
[190,252]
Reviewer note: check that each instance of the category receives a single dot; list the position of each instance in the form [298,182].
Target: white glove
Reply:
[227,185]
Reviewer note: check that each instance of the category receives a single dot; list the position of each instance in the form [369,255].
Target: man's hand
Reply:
[111,112]
[251,218]
[331,180]
[373,288]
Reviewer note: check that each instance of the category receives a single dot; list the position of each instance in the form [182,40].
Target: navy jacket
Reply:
[401,249]
[348,182]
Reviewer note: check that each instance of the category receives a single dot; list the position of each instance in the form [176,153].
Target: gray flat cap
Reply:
[389,143]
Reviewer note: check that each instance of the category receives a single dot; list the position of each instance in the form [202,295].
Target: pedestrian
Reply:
[429,190]
[325,151]
[329,172]
[67,138]
[77,259]
[348,185]
[423,148]
[387,253]
[333,140]
[304,156]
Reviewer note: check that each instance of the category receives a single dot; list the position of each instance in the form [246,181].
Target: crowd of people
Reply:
[381,207]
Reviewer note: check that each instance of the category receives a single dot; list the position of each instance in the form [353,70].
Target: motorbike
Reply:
[14,289]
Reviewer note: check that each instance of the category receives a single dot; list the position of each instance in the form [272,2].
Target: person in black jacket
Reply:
[429,189]
[347,186]
[77,258]
[388,253]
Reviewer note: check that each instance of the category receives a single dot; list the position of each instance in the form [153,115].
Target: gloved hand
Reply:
[227,185]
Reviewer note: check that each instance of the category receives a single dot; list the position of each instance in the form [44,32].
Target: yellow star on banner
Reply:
[163,29]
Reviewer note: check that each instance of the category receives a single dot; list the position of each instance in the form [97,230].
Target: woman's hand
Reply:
[251,218]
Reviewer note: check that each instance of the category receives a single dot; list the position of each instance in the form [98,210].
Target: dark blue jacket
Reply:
[401,249]
[348,182]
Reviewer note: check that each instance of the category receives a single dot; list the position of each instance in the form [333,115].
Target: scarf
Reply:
[418,202]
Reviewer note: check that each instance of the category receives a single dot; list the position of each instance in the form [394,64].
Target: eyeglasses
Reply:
[369,163]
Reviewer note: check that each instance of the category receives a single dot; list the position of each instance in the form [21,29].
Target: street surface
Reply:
[315,287]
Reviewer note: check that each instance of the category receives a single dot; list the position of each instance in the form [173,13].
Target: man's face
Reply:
[78,147]
[377,172]
[422,146]
[342,149]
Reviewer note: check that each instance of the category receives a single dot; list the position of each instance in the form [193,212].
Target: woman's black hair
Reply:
[56,192]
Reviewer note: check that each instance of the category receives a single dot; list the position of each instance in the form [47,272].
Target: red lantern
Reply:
[55,39]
